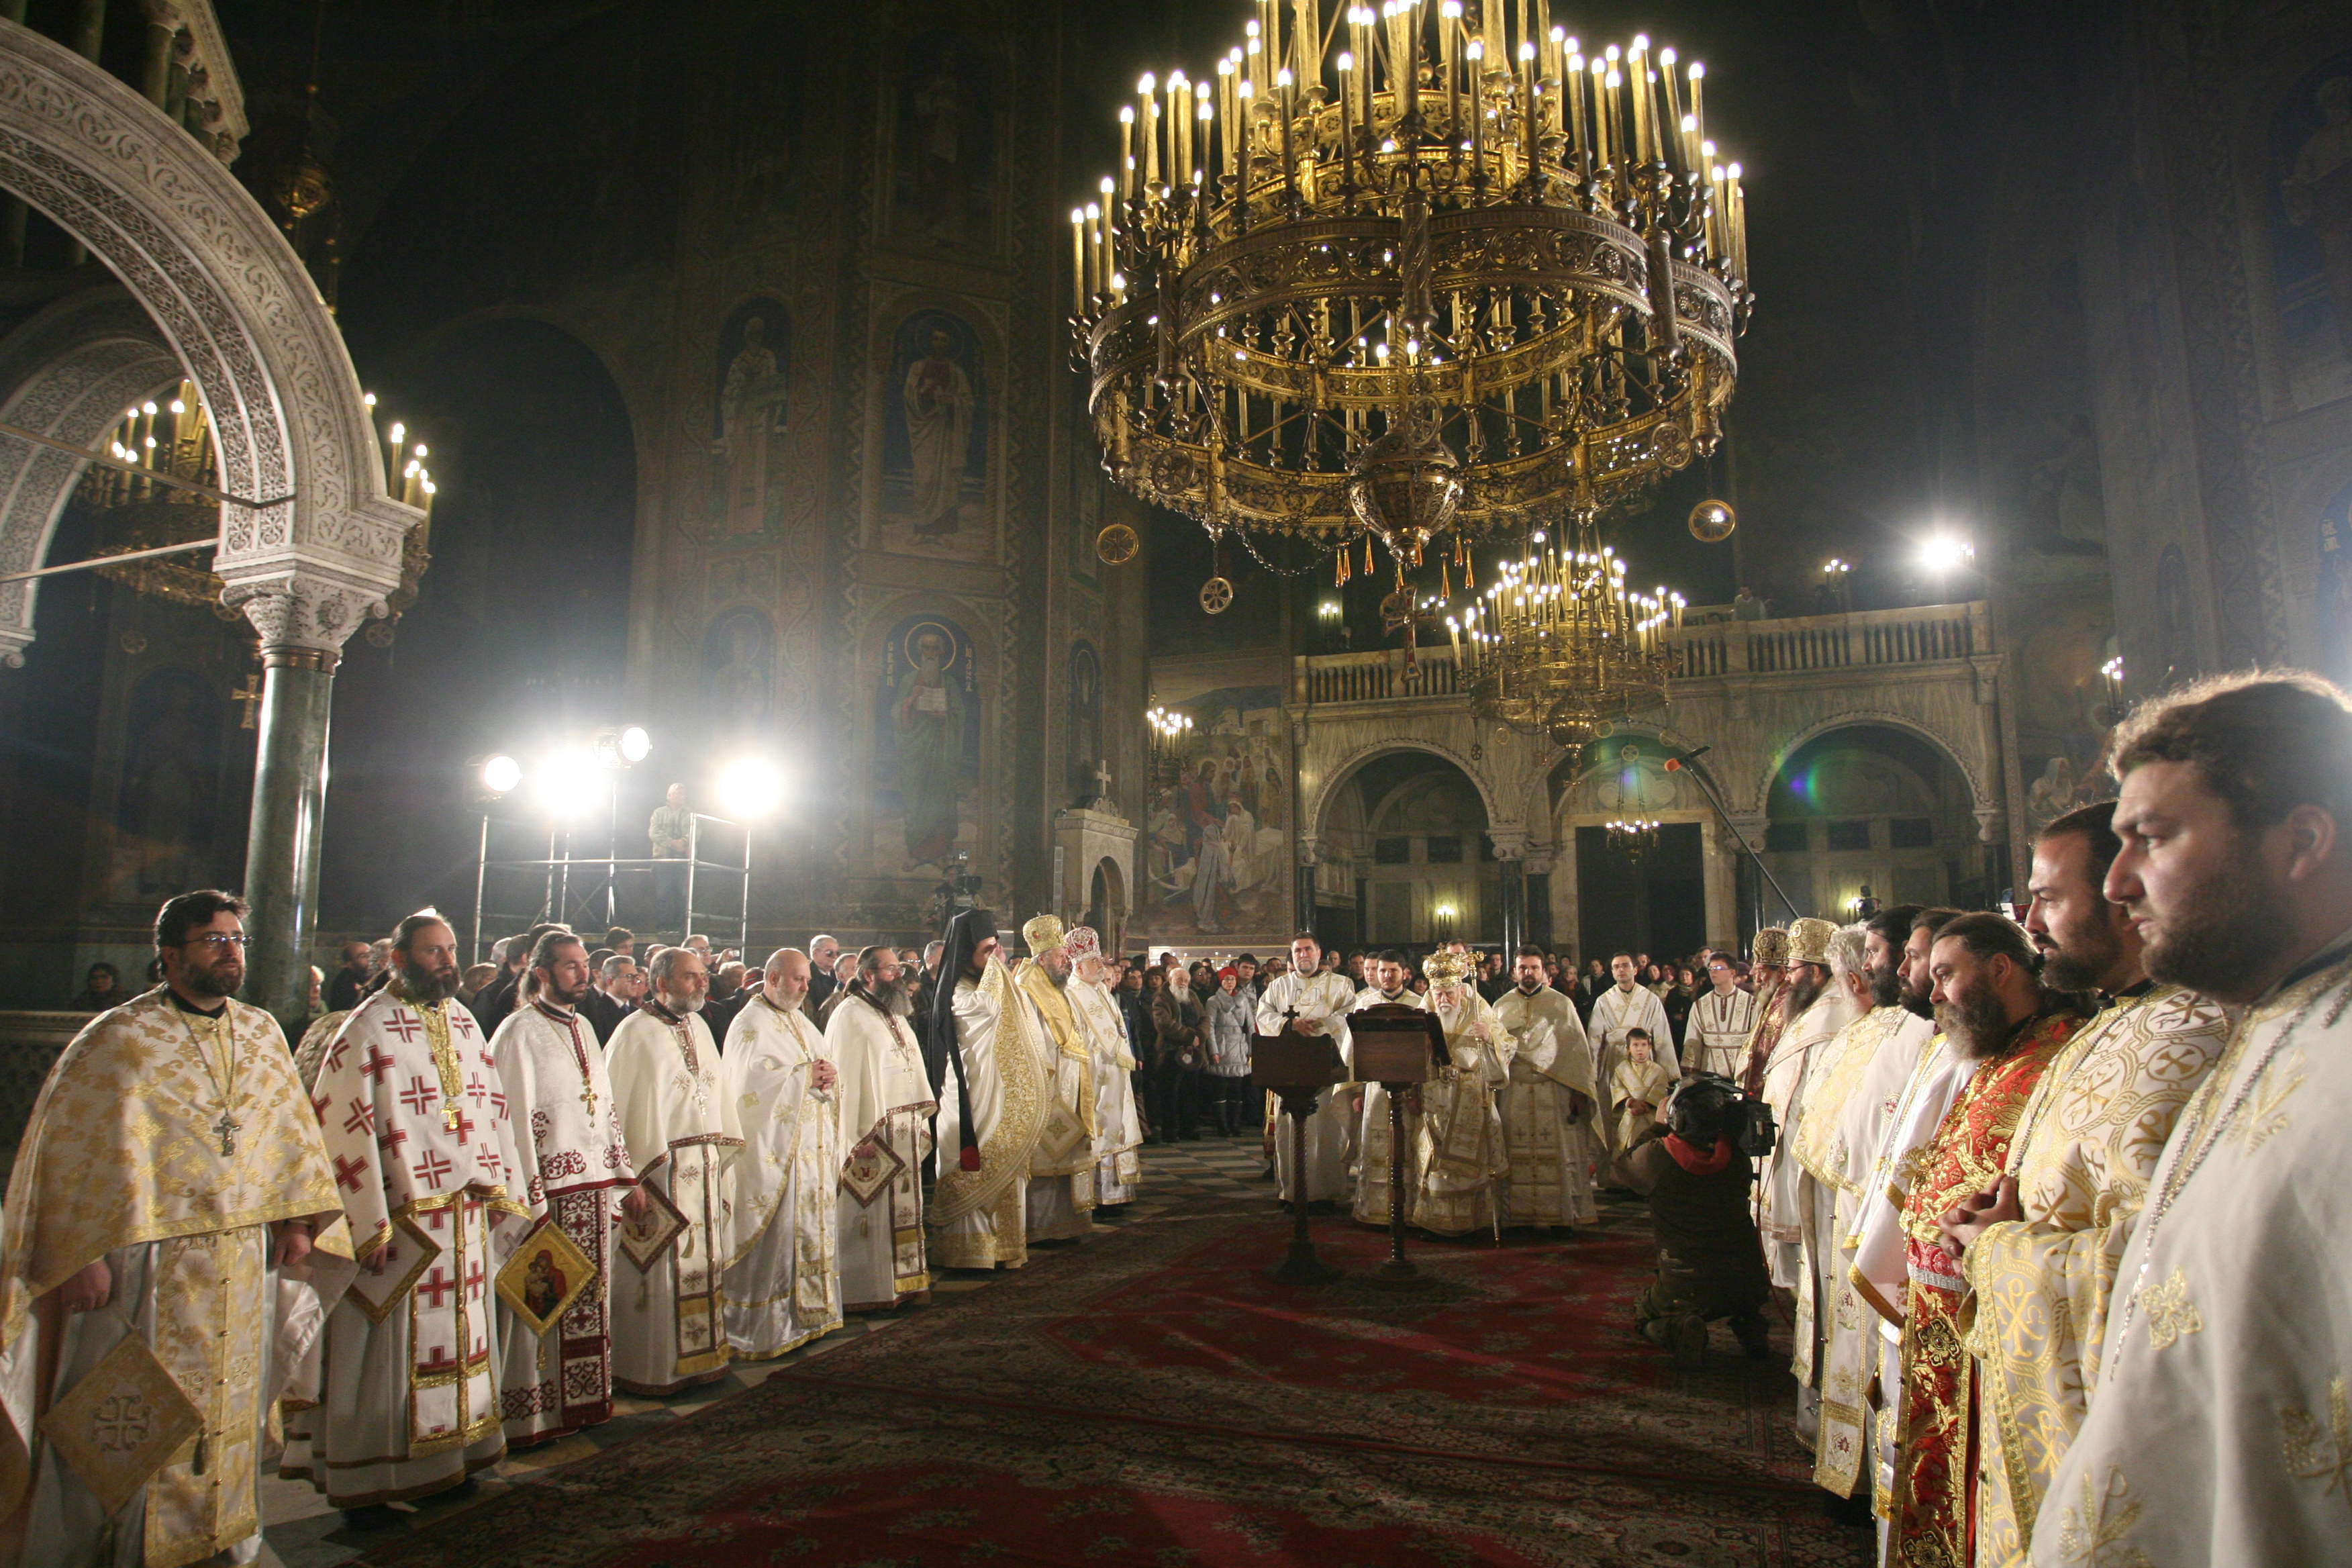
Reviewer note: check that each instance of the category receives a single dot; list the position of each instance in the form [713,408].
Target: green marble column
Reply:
[281,856]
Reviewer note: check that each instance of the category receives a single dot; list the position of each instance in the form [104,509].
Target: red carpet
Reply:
[1151,1397]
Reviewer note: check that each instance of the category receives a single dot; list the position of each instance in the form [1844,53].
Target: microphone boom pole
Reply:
[1688,760]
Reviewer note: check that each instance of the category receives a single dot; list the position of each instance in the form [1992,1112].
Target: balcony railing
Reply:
[1867,639]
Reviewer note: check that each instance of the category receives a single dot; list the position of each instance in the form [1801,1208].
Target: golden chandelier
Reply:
[1558,645]
[1408,270]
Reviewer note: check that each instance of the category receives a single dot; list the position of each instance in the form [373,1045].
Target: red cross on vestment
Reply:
[335,1056]
[362,1118]
[432,1168]
[419,1096]
[474,1283]
[474,1092]
[375,1063]
[348,1172]
[464,1125]
[404,1024]
[499,1103]
[318,1103]
[392,1140]
[439,1358]
[462,1024]
[435,1288]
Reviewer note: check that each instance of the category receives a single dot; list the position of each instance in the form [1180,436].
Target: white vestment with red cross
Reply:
[422,1141]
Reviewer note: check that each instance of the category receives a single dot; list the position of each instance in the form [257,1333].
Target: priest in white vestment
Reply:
[416,1122]
[886,1108]
[1550,1108]
[1322,1003]
[782,1286]
[1061,1198]
[1714,1037]
[1459,1145]
[1623,1008]
[1818,1007]
[1884,1050]
[574,1168]
[1388,989]
[992,1107]
[1118,1134]
[669,1328]
[200,1271]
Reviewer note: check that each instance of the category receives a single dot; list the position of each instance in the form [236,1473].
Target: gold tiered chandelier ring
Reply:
[1409,270]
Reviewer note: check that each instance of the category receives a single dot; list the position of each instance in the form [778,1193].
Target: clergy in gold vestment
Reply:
[2042,1249]
[2007,1027]
[1550,1106]
[1061,1197]
[670,1327]
[1816,1007]
[416,1124]
[160,1225]
[783,1287]
[1372,1202]
[1459,1144]
[1118,1134]
[1800,1166]
[992,1107]
[575,1163]
[886,1108]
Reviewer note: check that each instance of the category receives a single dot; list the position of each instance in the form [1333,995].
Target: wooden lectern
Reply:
[1397,1047]
[1297,1066]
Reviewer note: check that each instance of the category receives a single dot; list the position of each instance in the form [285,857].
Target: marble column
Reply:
[1511,856]
[1305,887]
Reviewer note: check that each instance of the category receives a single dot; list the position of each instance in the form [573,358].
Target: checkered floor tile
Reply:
[302,1531]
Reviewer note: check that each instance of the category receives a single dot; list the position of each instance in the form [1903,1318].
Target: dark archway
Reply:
[1407,830]
[1870,810]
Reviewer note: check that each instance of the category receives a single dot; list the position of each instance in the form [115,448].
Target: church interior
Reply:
[1210,472]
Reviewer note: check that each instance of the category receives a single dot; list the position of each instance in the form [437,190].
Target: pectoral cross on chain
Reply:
[588,1099]
[227,1127]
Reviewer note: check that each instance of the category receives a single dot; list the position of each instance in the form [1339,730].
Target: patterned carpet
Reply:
[1148,1396]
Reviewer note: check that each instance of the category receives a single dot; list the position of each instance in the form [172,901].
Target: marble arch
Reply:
[1346,767]
[1862,718]
[246,324]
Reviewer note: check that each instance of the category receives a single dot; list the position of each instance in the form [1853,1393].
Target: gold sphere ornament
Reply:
[1216,596]
[1117,544]
[1711,521]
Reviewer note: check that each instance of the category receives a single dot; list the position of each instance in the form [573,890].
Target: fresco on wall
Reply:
[942,188]
[1217,835]
[936,425]
[747,415]
[2311,232]
[165,821]
[1086,730]
[2332,617]
[738,657]
[764,126]
[927,700]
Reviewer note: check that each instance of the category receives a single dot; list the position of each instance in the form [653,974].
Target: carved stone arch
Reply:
[70,372]
[246,323]
[1345,767]
[1778,758]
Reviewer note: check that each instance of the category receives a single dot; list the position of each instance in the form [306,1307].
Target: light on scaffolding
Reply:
[500,775]
[570,786]
[749,789]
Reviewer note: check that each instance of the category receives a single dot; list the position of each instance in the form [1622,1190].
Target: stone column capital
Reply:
[304,614]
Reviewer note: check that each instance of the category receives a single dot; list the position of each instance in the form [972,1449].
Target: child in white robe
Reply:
[1639,1088]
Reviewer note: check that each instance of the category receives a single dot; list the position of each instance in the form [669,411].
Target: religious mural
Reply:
[764,128]
[2311,233]
[928,703]
[2332,612]
[1216,841]
[747,415]
[738,656]
[1086,729]
[942,189]
[936,429]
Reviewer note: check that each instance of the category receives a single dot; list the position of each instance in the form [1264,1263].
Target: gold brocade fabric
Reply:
[1054,1005]
[1004,1151]
[2087,1146]
[1850,1055]
[124,1147]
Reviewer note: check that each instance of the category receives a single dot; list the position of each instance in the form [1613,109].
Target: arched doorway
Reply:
[1632,892]
[1107,903]
[1871,810]
[1406,860]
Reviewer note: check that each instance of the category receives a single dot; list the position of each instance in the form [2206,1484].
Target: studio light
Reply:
[1945,553]
[749,788]
[635,744]
[572,785]
[500,775]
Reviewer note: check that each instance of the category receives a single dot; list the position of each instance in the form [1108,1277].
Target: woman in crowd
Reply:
[1177,1060]
[1233,1019]
[101,988]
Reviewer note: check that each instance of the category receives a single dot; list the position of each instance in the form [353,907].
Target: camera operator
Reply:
[1710,1266]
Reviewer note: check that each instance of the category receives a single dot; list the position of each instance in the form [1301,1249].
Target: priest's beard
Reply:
[900,1000]
[1915,1003]
[1886,986]
[555,995]
[2083,963]
[1802,994]
[424,984]
[1977,1025]
[221,977]
[2229,926]
[682,1005]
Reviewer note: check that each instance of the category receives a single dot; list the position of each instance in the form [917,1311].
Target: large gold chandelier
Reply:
[1557,644]
[1421,268]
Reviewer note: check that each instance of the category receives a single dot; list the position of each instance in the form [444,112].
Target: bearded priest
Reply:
[574,1165]
[2002,1021]
[1817,1005]
[1118,1130]
[1548,1109]
[886,1106]
[169,1190]
[1388,973]
[1463,1163]
[782,1282]
[670,1328]
[1321,1002]
[1061,1198]
[993,1106]
[415,1118]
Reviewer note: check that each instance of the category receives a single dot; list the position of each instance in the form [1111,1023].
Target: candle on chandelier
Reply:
[1449,30]
[1738,201]
[1347,63]
[1205,112]
[1148,90]
[1674,120]
[1527,107]
[1571,81]
[1180,130]
[1618,145]
[1407,60]
[1126,151]
[1289,91]
[1077,261]
[1476,53]
[1637,82]
[1696,75]
[1602,137]
[1225,162]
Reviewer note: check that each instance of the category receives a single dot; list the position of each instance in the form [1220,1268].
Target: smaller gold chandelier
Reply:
[1634,836]
[1558,646]
[1171,731]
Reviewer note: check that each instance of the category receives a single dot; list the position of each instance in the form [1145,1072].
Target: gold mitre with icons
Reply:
[1771,946]
[1446,967]
[1809,940]
[1043,934]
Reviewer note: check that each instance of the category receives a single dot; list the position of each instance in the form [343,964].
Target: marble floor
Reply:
[300,1530]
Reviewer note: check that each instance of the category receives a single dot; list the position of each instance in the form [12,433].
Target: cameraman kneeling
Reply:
[1710,1264]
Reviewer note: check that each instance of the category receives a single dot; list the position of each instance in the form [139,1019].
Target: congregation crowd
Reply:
[2052,1204]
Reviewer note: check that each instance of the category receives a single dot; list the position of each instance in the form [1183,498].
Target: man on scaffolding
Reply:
[672,833]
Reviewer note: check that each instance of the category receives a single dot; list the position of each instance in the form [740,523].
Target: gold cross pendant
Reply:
[449,1114]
